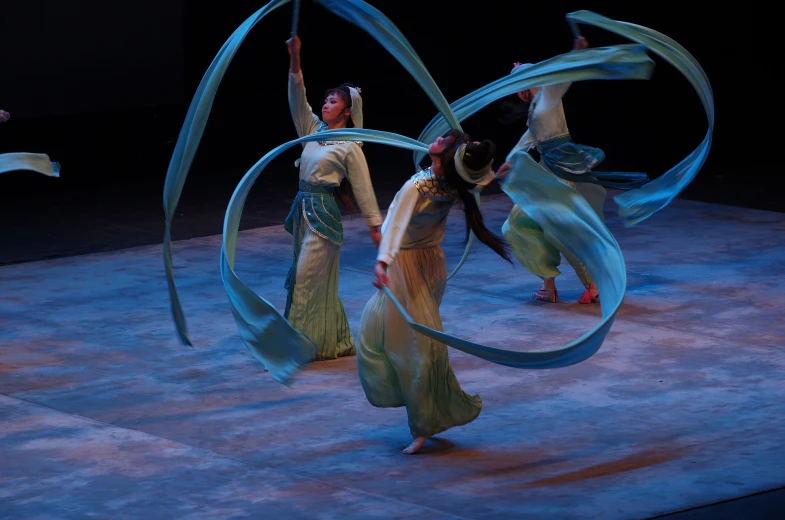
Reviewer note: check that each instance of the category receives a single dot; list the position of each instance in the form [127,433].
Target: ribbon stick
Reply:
[576,32]
[295,16]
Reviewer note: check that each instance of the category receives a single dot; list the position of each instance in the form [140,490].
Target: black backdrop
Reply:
[103,88]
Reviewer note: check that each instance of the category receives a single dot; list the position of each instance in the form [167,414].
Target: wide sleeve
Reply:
[360,179]
[552,94]
[305,121]
[398,217]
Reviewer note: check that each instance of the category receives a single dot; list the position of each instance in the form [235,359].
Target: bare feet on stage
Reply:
[415,446]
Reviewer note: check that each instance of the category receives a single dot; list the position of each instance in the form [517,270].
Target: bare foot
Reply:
[415,446]
[590,295]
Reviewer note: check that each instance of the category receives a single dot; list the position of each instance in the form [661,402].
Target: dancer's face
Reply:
[440,145]
[335,110]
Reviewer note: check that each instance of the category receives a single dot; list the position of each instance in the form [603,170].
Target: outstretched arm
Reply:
[294,45]
[552,94]
[305,121]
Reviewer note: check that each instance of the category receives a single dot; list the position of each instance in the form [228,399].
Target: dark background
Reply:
[103,87]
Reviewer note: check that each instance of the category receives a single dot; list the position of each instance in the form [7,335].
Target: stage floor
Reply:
[104,414]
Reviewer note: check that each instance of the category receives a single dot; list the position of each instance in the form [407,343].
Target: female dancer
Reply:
[573,164]
[397,366]
[312,305]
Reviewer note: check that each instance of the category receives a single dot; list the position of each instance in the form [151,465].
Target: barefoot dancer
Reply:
[397,366]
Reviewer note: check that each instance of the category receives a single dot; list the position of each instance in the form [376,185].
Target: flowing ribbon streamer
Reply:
[36,162]
[384,31]
[618,62]
[565,215]
[357,12]
[635,205]
[381,28]
[187,144]
[609,63]
[560,210]
[267,334]
[389,36]
[638,205]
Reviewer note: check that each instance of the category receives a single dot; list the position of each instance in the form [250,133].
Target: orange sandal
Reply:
[589,297]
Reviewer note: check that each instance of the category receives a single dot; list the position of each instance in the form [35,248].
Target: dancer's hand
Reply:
[376,235]
[503,170]
[4,116]
[580,44]
[380,271]
[294,44]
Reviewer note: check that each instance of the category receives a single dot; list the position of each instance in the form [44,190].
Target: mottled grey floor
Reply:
[105,415]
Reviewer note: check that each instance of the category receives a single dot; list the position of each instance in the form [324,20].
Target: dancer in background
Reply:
[313,306]
[573,164]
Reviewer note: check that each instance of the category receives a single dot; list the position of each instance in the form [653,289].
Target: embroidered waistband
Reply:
[553,142]
[307,187]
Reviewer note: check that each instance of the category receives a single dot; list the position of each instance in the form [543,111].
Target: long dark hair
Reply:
[476,157]
[344,190]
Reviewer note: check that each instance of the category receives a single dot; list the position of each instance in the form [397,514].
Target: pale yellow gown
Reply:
[397,366]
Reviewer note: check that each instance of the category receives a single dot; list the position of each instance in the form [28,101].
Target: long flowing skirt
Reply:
[313,306]
[399,367]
